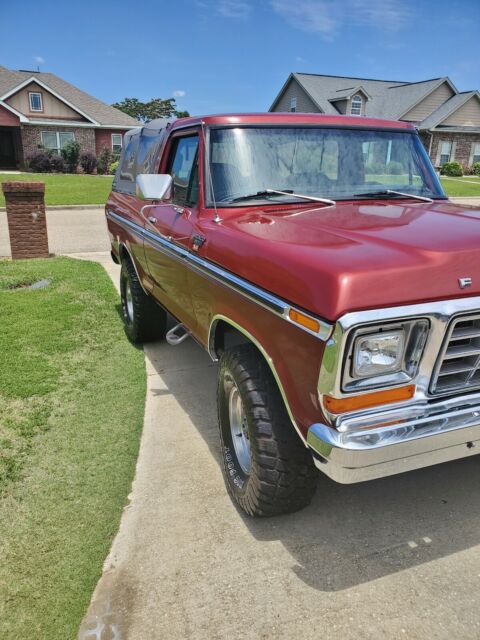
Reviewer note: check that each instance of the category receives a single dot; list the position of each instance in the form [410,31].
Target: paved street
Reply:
[69,230]
[394,558]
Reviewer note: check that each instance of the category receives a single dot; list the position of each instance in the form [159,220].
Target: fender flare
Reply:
[122,246]
[211,350]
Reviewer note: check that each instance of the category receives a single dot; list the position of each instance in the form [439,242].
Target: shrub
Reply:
[114,167]
[395,168]
[88,162]
[57,163]
[71,154]
[476,168]
[39,162]
[453,169]
[375,168]
[104,161]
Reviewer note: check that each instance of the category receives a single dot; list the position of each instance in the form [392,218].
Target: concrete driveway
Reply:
[69,231]
[394,558]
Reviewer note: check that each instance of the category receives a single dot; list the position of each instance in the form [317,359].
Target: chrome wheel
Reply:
[239,429]
[129,301]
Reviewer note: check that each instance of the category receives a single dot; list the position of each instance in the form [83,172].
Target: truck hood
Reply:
[355,255]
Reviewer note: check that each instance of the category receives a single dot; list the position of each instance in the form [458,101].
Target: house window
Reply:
[475,152]
[56,140]
[445,151]
[117,143]
[36,102]
[356,108]
[293,104]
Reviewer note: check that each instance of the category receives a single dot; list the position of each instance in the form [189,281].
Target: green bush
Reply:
[104,161]
[476,168]
[57,164]
[375,168]
[114,167]
[71,154]
[88,162]
[452,169]
[395,168]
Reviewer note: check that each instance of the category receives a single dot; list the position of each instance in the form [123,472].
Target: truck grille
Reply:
[458,366]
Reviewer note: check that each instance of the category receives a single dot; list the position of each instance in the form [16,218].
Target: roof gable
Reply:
[53,104]
[94,110]
[425,99]
[458,106]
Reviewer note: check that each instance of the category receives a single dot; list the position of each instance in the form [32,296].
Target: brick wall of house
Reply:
[461,145]
[461,148]
[103,138]
[31,138]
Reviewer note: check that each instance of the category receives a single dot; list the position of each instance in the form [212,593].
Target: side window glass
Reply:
[183,169]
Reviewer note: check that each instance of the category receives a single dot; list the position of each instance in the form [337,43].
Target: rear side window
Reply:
[126,174]
[183,168]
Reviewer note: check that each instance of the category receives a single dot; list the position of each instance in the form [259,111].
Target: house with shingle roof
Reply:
[448,120]
[41,110]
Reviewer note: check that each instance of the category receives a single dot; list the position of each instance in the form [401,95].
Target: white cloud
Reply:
[327,17]
[300,59]
[39,59]
[179,93]
[233,8]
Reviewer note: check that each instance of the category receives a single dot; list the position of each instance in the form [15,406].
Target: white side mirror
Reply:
[154,186]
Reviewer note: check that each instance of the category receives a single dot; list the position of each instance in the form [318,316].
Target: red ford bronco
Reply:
[318,260]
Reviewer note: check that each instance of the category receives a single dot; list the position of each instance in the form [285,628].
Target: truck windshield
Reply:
[341,164]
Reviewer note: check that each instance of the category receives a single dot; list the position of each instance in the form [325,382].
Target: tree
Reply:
[154,108]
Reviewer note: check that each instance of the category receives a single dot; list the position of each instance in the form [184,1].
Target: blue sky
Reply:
[234,55]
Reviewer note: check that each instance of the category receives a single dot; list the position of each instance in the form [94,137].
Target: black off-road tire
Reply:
[282,477]
[144,320]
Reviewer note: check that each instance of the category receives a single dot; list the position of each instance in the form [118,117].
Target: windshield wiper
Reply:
[289,192]
[391,192]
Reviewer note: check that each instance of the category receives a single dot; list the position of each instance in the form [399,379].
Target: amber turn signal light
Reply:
[304,320]
[342,405]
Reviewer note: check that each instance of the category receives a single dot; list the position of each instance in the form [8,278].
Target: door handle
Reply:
[152,219]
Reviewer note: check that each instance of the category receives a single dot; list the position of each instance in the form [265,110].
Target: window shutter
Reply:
[452,154]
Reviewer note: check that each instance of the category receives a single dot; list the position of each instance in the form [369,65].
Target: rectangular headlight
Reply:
[377,354]
[384,355]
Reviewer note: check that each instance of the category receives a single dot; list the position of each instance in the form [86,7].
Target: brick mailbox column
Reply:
[27,224]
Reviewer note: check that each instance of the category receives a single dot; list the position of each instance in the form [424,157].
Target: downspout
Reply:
[430,145]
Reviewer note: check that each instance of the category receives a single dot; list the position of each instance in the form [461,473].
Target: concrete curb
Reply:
[74,207]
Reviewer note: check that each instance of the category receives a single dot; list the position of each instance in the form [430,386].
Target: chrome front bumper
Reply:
[392,442]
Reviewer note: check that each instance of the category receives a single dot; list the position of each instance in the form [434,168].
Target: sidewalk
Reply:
[68,231]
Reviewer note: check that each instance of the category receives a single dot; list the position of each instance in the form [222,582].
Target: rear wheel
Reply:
[143,319]
[267,469]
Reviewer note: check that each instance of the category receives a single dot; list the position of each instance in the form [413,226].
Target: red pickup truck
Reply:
[318,260]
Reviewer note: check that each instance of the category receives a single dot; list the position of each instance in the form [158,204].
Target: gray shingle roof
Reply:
[446,109]
[99,111]
[390,99]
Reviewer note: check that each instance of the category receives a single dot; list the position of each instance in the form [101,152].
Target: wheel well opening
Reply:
[225,336]
[123,253]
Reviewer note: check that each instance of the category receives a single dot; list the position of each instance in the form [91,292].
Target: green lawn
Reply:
[81,189]
[66,188]
[72,392]
[461,186]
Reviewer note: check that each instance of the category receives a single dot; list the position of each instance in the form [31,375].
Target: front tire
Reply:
[267,469]
[144,320]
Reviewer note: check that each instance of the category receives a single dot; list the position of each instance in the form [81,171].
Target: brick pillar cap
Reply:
[23,187]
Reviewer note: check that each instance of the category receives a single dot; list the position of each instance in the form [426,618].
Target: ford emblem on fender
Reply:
[464,282]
